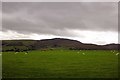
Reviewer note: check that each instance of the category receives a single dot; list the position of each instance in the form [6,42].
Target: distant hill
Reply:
[10,45]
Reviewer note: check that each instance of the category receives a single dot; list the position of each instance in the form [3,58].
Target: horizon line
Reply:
[59,38]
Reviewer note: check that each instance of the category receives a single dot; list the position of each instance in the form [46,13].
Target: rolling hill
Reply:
[10,45]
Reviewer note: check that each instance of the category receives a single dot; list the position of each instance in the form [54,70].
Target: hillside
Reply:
[10,45]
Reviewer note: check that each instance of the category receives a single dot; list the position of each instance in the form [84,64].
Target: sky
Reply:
[87,22]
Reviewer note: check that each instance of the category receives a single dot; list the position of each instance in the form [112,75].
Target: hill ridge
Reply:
[56,43]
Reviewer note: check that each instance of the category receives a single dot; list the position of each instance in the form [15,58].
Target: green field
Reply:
[60,64]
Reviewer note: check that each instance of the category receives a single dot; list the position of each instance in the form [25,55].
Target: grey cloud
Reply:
[60,1]
[58,18]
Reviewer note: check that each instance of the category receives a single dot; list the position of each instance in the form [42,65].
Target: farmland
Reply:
[60,63]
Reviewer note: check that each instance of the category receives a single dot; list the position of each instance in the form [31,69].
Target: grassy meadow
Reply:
[60,64]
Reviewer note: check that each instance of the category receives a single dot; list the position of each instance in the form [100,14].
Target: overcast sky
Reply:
[88,22]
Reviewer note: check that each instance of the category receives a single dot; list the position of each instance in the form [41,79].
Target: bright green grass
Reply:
[60,64]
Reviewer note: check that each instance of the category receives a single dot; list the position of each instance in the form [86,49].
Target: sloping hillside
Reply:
[10,45]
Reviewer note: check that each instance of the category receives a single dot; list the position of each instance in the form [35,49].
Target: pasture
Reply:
[60,64]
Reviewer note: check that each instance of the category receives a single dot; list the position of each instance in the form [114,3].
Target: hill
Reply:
[10,45]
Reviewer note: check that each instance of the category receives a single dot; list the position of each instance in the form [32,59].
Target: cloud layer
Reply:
[60,18]
[60,0]
[57,17]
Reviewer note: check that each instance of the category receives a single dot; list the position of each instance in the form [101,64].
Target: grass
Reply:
[60,64]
